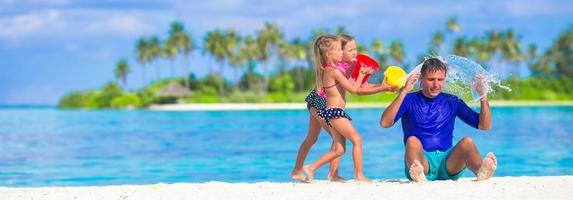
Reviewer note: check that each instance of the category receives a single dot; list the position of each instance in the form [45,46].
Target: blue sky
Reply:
[50,47]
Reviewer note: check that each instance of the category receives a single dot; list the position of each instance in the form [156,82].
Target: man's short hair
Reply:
[433,65]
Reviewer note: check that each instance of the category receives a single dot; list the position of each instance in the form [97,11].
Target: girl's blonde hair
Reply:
[323,44]
[345,39]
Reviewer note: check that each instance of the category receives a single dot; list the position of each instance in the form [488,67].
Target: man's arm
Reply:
[387,119]
[484,113]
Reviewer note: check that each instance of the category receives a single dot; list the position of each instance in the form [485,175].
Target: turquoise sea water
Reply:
[49,147]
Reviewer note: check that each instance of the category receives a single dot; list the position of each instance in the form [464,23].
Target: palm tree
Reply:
[214,44]
[493,42]
[309,45]
[508,45]
[142,50]
[558,60]
[231,47]
[121,71]
[220,44]
[283,52]
[361,48]
[532,62]
[268,40]
[250,53]
[237,61]
[233,50]
[182,41]
[478,49]
[438,41]
[294,51]
[460,47]
[155,53]
[340,30]
[397,51]
[380,52]
[169,50]
[453,26]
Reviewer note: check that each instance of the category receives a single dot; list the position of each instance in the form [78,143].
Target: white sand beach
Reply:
[548,187]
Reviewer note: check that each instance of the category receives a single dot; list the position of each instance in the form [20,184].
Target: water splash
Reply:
[461,77]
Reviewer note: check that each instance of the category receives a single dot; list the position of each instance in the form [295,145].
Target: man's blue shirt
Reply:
[432,120]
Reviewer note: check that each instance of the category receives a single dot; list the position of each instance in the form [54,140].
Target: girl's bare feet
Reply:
[298,175]
[336,178]
[417,172]
[362,178]
[309,174]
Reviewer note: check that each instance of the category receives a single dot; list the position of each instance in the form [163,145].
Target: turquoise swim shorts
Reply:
[437,164]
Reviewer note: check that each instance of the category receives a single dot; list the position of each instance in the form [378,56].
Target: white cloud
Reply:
[30,24]
[538,8]
[95,53]
[18,5]
[74,21]
[9,3]
[77,23]
[118,24]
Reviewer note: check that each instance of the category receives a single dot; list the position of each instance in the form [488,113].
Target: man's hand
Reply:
[481,86]
[411,82]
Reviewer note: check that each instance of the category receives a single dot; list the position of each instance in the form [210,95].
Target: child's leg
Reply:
[333,172]
[311,137]
[327,157]
[345,128]
[334,164]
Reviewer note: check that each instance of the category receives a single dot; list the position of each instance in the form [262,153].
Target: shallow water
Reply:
[48,147]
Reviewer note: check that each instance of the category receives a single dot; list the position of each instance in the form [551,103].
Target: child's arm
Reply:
[349,86]
[369,89]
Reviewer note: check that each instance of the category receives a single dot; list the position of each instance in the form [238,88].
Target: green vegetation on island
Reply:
[270,68]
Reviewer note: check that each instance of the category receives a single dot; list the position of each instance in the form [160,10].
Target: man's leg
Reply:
[465,153]
[415,159]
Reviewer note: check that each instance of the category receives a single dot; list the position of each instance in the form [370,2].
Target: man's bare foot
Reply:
[336,178]
[488,167]
[298,175]
[309,174]
[417,172]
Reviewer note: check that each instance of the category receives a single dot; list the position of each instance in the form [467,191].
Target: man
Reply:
[428,118]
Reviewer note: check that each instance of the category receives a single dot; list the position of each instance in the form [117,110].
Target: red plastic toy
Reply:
[363,60]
